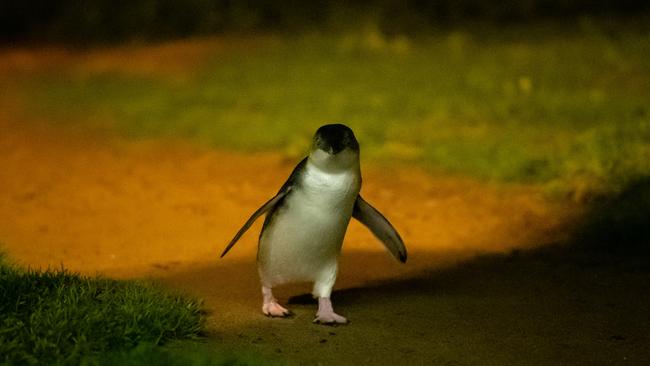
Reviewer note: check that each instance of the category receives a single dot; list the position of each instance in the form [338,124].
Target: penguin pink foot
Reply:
[270,307]
[273,309]
[326,314]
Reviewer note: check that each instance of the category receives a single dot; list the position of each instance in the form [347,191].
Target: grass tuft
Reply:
[55,317]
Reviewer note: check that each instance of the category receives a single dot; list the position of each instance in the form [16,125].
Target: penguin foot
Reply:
[329,318]
[326,314]
[273,309]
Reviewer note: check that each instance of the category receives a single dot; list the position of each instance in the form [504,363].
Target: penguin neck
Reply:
[333,188]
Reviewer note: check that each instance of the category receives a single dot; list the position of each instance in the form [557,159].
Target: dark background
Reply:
[105,21]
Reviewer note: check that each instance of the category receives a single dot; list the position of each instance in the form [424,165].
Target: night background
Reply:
[507,141]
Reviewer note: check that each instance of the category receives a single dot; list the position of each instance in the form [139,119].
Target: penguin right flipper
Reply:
[270,204]
[380,227]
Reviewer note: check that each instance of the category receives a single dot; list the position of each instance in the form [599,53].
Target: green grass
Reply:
[564,106]
[55,317]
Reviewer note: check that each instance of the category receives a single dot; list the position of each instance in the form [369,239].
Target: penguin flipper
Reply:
[380,227]
[260,211]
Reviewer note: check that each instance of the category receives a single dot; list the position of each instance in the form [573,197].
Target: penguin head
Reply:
[334,147]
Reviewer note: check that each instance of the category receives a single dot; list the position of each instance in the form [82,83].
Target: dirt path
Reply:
[149,210]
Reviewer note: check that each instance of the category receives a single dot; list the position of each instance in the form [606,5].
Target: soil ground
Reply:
[165,211]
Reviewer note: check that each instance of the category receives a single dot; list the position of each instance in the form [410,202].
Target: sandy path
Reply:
[150,210]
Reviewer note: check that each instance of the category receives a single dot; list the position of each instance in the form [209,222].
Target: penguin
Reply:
[306,221]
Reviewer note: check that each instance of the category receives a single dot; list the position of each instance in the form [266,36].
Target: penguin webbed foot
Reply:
[275,310]
[332,319]
[326,314]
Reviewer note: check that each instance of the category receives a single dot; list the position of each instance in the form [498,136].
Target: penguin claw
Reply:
[273,310]
[330,319]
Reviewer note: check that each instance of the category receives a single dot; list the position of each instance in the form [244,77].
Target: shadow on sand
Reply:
[584,301]
[620,225]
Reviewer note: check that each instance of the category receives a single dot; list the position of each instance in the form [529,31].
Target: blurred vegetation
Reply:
[565,106]
[83,22]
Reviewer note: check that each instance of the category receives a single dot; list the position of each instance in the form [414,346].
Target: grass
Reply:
[55,317]
[563,106]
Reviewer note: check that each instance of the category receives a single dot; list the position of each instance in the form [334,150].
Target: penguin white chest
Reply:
[304,237]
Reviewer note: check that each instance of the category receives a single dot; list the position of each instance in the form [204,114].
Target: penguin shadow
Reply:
[376,278]
[565,270]
[364,277]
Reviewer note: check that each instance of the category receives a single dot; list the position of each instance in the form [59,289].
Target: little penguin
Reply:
[307,219]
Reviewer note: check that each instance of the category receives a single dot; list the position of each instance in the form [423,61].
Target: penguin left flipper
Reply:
[270,204]
[380,227]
